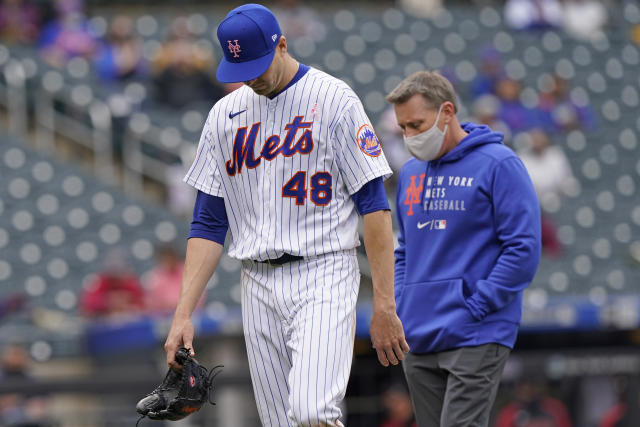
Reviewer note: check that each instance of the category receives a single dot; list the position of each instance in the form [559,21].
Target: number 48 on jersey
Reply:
[320,188]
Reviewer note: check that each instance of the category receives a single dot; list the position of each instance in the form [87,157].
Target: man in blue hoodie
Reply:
[469,244]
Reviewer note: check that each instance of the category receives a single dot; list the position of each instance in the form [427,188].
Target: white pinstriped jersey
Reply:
[286,167]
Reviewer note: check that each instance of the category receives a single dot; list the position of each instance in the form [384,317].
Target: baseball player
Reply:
[286,163]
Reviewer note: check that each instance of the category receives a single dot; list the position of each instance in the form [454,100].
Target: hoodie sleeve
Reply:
[516,214]
[400,260]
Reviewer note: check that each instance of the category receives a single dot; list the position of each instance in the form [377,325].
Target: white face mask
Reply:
[427,145]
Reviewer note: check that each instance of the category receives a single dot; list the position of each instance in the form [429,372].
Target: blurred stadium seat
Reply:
[60,223]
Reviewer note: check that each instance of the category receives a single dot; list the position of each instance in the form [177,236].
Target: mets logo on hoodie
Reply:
[368,141]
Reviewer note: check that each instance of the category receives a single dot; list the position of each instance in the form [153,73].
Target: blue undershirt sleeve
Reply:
[371,197]
[209,218]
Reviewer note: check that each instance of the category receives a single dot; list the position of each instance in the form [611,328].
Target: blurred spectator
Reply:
[15,361]
[562,113]
[162,283]
[421,8]
[180,196]
[297,20]
[392,142]
[489,73]
[512,111]
[19,21]
[547,165]
[533,408]
[11,303]
[115,291]
[584,19]
[120,57]
[68,35]
[635,34]
[550,173]
[397,404]
[626,413]
[485,111]
[533,14]
[18,410]
[182,70]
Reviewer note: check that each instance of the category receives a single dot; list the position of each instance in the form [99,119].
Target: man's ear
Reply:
[449,110]
[282,44]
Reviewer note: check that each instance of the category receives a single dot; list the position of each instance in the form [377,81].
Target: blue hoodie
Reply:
[469,244]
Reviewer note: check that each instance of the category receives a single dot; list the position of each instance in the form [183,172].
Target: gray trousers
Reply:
[455,387]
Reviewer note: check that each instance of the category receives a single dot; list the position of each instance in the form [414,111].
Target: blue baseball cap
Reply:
[248,37]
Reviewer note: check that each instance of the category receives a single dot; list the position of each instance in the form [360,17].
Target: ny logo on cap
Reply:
[234,48]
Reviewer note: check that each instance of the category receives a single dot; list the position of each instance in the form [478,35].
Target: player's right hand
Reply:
[387,336]
[180,335]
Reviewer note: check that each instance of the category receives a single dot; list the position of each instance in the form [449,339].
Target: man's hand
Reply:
[386,330]
[202,259]
[180,335]
[387,336]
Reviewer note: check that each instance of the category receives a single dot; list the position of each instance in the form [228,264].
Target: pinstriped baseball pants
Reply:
[299,327]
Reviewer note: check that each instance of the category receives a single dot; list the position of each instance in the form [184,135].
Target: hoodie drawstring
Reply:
[427,200]
[425,206]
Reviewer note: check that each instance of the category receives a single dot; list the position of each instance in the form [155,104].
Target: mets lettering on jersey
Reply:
[287,166]
[243,148]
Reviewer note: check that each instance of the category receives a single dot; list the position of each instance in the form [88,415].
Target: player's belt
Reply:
[285,258]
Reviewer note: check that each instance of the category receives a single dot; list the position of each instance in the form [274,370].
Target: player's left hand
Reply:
[387,336]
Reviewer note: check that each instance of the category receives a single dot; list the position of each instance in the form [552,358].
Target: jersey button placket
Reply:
[270,130]
[268,177]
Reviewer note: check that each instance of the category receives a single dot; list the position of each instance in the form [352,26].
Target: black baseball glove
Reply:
[181,393]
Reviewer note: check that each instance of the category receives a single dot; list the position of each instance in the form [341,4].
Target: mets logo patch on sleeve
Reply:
[368,141]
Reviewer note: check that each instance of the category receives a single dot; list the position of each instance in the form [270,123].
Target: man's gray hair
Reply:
[435,89]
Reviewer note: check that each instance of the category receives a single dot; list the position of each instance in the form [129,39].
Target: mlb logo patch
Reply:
[440,224]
